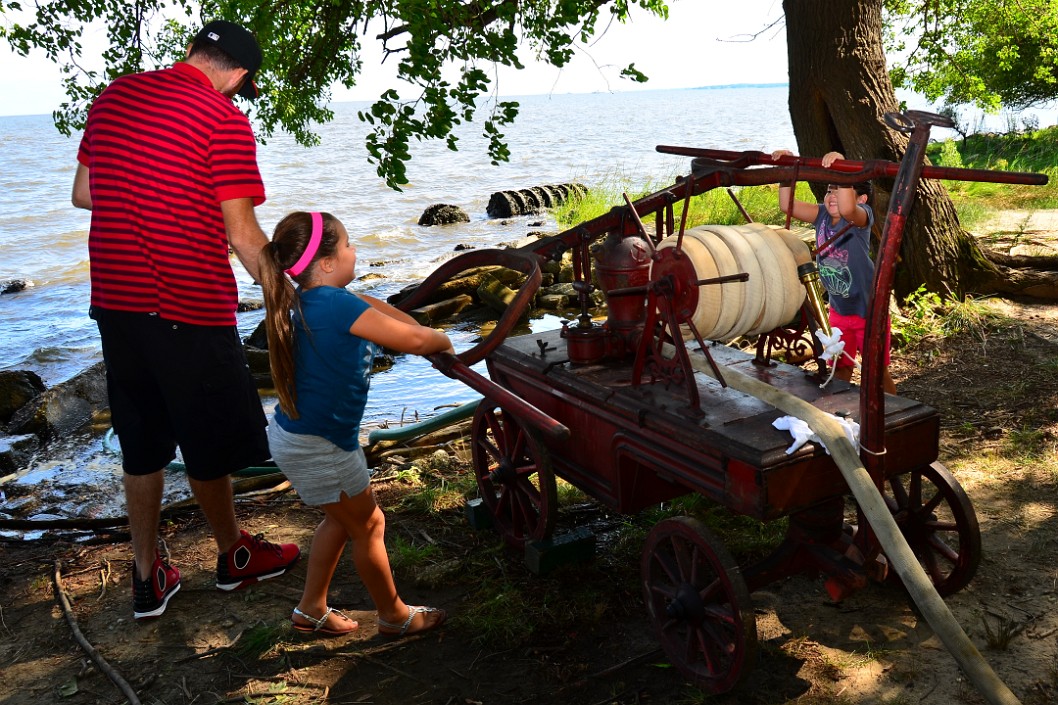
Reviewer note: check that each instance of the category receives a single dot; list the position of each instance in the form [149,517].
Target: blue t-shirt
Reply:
[332,367]
[845,267]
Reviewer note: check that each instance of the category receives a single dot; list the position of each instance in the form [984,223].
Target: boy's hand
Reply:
[831,157]
[777,154]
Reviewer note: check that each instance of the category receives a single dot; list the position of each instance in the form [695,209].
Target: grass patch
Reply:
[603,196]
[926,317]
[403,554]
[999,639]
[259,640]
[1030,151]
[1029,445]
[568,494]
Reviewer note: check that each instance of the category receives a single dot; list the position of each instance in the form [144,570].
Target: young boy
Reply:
[843,234]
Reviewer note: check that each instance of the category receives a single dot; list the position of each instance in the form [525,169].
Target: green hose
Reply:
[443,420]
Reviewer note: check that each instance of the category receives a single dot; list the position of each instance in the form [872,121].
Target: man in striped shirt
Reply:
[168,167]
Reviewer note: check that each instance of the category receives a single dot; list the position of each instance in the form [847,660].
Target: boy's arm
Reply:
[791,206]
[798,209]
[849,207]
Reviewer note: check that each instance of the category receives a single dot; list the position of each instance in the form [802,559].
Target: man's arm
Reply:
[82,195]
[244,233]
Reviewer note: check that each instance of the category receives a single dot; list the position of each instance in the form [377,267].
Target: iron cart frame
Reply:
[601,407]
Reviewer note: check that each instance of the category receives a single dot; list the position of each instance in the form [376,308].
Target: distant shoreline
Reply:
[741,85]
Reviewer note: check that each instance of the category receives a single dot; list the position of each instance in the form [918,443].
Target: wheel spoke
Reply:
[503,502]
[933,503]
[721,631]
[944,549]
[929,558]
[514,476]
[525,485]
[491,450]
[899,492]
[526,514]
[915,490]
[713,591]
[703,648]
[663,590]
[495,427]
[941,526]
[665,559]
[683,560]
[696,563]
[517,445]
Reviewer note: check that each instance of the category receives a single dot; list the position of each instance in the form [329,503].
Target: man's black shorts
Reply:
[175,384]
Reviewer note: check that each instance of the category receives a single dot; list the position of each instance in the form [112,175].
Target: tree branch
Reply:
[97,659]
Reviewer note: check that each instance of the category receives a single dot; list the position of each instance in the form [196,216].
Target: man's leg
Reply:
[242,559]
[218,505]
[143,500]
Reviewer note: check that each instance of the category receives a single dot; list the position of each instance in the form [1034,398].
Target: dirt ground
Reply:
[996,391]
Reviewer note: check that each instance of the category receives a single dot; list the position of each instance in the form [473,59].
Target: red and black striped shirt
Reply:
[163,150]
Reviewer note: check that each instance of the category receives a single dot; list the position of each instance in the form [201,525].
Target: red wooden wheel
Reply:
[939,523]
[513,470]
[699,604]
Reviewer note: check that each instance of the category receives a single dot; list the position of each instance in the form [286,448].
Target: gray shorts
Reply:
[319,470]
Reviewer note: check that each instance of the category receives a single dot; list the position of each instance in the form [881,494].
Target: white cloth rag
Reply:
[802,433]
[833,345]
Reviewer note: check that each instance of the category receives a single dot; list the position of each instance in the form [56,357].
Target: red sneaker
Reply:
[150,597]
[252,559]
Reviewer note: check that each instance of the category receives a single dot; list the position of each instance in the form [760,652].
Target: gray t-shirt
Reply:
[845,267]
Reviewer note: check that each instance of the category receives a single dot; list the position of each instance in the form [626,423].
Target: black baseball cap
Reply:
[237,42]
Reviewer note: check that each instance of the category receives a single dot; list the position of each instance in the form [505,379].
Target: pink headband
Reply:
[310,250]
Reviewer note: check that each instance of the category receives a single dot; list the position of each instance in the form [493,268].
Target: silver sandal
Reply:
[318,624]
[412,611]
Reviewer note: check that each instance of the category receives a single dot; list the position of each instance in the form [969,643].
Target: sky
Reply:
[703,43]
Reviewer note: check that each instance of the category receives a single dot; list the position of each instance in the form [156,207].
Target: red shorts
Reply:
[852,329]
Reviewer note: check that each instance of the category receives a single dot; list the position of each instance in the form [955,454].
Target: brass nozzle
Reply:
[808,273]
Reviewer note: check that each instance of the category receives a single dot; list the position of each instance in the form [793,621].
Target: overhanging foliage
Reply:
[991,53]
[446,52]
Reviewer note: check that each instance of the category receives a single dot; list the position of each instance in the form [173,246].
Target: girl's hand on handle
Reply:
[779,153]
[450,349]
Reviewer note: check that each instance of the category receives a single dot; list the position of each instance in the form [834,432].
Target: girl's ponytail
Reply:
[299,240]
[279,300]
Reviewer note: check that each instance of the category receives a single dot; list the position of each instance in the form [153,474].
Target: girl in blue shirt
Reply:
[321,342]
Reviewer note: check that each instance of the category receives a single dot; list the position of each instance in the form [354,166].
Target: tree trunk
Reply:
[839,93]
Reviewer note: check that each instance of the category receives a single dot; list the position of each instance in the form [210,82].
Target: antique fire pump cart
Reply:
[623,411]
